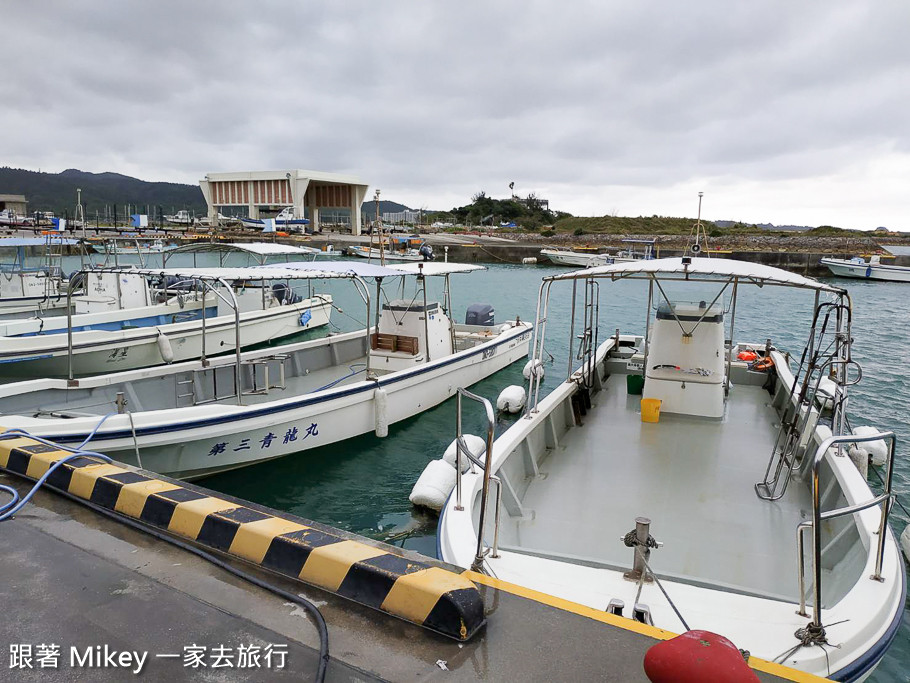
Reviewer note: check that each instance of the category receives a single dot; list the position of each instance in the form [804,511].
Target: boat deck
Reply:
[692,477]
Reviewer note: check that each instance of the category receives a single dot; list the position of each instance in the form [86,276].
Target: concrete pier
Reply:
[77,579]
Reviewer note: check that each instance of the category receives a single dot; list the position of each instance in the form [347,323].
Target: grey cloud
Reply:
[435,101]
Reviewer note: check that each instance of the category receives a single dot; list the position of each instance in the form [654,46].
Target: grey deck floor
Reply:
[692,477]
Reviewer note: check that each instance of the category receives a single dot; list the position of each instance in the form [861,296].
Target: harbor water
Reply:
[362,484]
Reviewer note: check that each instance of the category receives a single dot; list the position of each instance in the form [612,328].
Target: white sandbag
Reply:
[905,542]
[475,444]
[434,485]
[529,260]
[512,399]
[534,365]
[877,450]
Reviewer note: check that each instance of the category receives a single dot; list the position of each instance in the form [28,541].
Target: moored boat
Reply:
[285,220]
[139,317]
[567,257]
[193,419]
[32,284]
[681,479]
[873,269]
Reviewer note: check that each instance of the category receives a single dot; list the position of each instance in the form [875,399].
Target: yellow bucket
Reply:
[650,410]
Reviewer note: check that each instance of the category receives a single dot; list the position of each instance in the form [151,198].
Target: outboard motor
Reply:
[479,314]
[77,280]
[284,294]
[426,251]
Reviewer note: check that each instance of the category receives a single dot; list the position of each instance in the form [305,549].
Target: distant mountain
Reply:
[57,192]
[368,208]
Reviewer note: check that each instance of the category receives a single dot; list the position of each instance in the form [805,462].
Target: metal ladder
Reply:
[485,465]
[588,339]
[827,352]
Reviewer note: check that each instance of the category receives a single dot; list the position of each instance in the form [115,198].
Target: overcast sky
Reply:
[779,112]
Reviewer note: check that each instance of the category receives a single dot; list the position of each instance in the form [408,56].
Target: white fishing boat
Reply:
[285,220]
[10,219]
[635,250]
[130,246]
[193,419]
[182,217]
[578,259]
[766,532]
[32,284]
[397,249]
[873,269]
[139,317]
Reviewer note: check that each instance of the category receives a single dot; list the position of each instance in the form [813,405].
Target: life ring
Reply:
[763,365]
[747,356]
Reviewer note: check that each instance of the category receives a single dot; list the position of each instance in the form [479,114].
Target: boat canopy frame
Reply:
[216,280]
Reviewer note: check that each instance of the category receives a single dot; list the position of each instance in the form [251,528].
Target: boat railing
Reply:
[797,424]
[486,465]
[815,630]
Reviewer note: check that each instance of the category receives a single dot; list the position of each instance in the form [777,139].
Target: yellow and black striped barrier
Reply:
[373,575]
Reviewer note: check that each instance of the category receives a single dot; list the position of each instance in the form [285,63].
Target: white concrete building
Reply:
[268,192]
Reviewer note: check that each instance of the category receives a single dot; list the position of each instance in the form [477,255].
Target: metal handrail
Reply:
[485,466]
[818,516]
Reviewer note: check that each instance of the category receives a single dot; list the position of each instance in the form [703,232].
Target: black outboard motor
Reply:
[426,251]
[285,294]
[479,314]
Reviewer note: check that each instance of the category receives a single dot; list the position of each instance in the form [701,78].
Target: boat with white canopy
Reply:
[139,317]
[257,253]
[688,481]
[197,418]
[136,317]
[30,289]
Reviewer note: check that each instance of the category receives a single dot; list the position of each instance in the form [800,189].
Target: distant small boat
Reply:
[9,218]
[285,219]
[636,250]
[873,269]
[567,257]
[398,249]
[182,217]
[126,246]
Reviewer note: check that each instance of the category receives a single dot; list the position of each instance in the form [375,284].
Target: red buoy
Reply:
[697,657]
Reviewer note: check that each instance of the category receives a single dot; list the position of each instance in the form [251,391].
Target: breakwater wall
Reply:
[804,263]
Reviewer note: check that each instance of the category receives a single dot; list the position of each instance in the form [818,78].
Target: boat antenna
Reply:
[698,238]
[379,227]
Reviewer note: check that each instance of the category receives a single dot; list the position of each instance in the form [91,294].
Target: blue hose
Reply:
[340,379]
[93,432]
[13,506]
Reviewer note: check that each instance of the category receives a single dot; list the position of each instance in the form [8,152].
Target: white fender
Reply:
[876,450]
[476,445]
[534,365]
[905,541]
[512,399]
[165,348]
[381,412]
[434,485]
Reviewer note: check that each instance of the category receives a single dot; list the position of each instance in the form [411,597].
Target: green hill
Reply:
[57,192]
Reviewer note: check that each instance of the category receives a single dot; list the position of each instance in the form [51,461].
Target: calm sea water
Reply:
[362,485]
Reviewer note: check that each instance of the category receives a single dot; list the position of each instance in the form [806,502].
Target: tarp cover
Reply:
[13,242]
[701,266]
